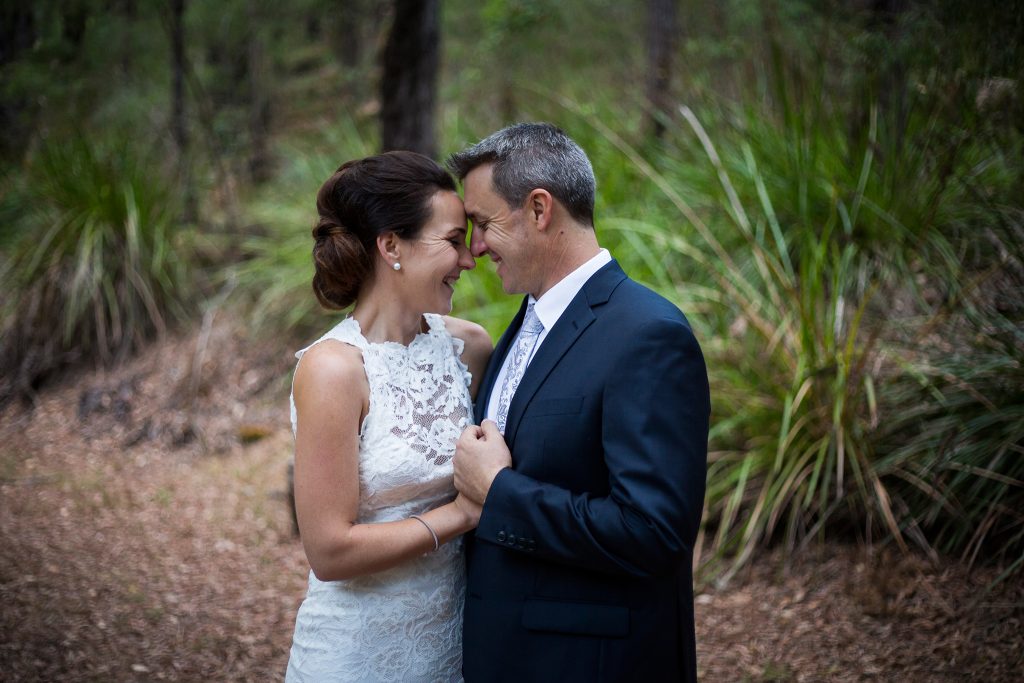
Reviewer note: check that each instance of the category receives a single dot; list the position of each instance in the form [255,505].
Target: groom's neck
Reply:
[571,246]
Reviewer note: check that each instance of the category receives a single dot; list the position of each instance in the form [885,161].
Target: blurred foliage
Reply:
[837,206]
[957,439]
[93,265]
[276,269]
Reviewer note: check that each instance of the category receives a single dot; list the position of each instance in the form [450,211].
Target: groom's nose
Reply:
[477,246]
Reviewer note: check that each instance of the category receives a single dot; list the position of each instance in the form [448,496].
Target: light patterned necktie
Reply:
[529,333]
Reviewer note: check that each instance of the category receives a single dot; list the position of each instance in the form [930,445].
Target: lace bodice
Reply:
[405,623]
[419,402]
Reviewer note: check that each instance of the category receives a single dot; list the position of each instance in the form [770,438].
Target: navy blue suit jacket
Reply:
[580,567]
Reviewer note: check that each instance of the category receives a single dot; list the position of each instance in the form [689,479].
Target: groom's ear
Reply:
[539,207]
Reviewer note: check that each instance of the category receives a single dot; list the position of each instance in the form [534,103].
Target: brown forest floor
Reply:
[144,535]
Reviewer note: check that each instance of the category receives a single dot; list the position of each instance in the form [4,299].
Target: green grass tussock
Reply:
[94,263]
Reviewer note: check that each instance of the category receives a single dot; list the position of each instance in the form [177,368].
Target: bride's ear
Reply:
[389,247]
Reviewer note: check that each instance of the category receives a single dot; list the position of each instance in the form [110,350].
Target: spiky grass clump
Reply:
[955,440]
[799,255]
[778,295]
[94,264]
[795,368]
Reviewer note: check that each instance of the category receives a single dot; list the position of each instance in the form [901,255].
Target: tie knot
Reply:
[531,323]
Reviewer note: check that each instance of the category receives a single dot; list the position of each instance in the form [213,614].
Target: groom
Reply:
[590,458]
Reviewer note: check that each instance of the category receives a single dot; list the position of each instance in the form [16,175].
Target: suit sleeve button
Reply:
[532,544]
[501,536]
[511,539]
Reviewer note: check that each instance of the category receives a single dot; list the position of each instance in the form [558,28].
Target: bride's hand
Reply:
[470,509]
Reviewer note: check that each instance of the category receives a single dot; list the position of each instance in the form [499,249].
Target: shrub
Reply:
[94,265]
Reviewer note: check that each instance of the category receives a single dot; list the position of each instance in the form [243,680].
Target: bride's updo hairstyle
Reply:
[364,199]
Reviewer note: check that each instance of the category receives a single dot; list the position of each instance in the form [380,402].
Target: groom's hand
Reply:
[479,455]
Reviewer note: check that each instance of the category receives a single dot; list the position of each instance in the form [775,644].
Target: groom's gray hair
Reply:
[530,156]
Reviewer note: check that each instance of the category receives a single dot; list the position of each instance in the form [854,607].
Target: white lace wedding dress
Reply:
[403,624]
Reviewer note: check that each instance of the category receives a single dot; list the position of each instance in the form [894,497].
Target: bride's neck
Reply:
[382,316]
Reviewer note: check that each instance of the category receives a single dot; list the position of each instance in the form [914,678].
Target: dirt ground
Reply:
[145,535]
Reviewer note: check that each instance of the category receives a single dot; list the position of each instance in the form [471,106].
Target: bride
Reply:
[377,406]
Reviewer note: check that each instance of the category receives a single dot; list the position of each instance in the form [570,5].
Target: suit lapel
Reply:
[576,318]
[483,396]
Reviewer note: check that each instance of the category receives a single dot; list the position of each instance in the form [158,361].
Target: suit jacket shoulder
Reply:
[631,303]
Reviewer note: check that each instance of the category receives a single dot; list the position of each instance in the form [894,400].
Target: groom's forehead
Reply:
[480,178]
[480,201]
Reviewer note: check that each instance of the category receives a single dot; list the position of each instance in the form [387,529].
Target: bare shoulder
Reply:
[329,367]
[474,336]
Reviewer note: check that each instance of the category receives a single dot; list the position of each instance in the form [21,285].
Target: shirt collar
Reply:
[552,304]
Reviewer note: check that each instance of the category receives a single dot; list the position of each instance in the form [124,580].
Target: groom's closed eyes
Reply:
[478,223]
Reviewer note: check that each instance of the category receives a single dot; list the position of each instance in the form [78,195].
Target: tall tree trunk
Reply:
[17,35]
[887,75]
[178,123]
[74,16]
[409,82]
[347,35]
[127,10]
[259,104]
[662,38]
[17,31]
[892,82]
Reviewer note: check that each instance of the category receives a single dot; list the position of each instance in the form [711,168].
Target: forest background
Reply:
[832,191]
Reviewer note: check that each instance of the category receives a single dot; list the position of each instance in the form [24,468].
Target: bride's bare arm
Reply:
[331,398]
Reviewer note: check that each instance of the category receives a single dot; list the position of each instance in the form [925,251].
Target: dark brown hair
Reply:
[364,199]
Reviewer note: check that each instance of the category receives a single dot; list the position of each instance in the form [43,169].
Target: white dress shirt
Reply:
[549,308]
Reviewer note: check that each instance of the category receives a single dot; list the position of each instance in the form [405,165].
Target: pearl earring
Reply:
[397,266]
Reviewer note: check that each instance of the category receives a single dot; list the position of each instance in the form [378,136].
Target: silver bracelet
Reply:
[437,543]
